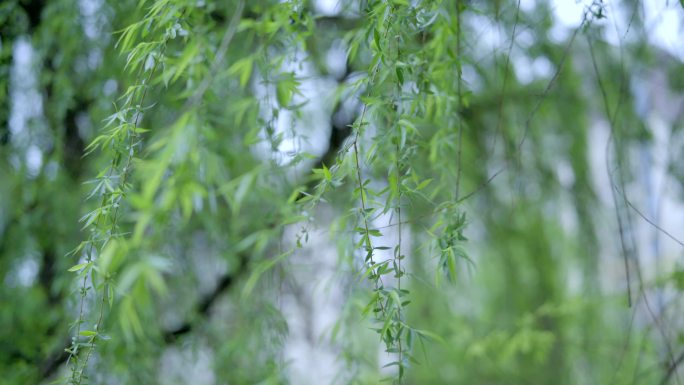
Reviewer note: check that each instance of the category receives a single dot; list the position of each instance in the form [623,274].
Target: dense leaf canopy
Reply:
[312,192]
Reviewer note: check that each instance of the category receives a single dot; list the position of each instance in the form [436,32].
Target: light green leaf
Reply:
[79,266]
[284,92]
[259,270]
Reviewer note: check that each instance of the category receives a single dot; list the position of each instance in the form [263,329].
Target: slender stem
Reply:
[499,120]
[220,55]
[460,96]
[359,178]
[398,255]
[77,373]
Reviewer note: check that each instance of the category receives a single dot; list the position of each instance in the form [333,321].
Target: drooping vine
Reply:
[375,270]
[122,142]
[387,301]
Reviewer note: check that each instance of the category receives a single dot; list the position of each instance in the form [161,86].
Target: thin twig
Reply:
[362,191]
[220,56]
[499,120]
[632,249]
[534,110]
[460,97]
[672,369]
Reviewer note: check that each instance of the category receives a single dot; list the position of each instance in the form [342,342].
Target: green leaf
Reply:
[244,68]
[189,54]
[260,269]
[91,217]
[451,263]
[429,334]
[677,278]
[110,295]
[79,266]
[423,184]
[374,233]
[395,298]
[327,174]
[400,75]
[285,89]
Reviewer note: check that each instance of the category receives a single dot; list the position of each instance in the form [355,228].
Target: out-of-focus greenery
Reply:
[162,161]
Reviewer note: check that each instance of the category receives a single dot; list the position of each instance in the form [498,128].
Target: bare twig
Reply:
[220,56]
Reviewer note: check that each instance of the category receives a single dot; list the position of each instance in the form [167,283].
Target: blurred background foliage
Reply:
[321,191]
